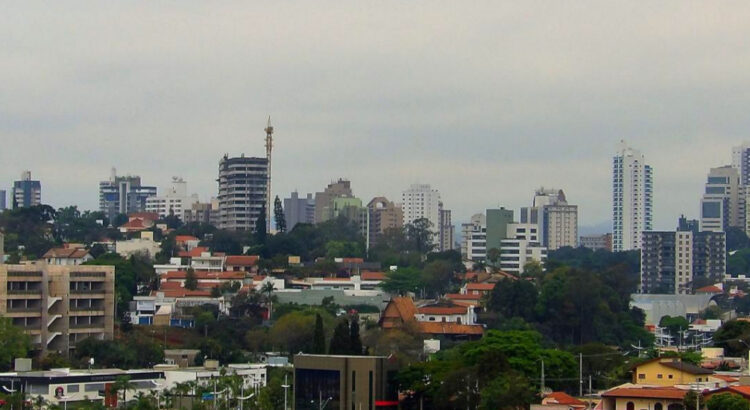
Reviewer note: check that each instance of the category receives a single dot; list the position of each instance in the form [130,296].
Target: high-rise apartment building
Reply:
[421,201]
[521,247]
[474,239]
[383,215]
[447,230]
[557,220]
[670,261]
[202,212]
[497,227]
[173,201]
[123,195]
[26,192]
[58,306]
[723,202]
[597,242]
[741,162]
[242,191]
[324,200]
[299,210]
[632,193]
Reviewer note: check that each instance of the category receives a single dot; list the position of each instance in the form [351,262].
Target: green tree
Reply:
[733,336]
[693,400]
[514,298]
[420,236]
[278,215]
[674,324]
[727,401]
[493,255]
[14,343]
[402,280]
[261,228]
[437,277]
[355,342]
[319,343]
[191,281]
[510,391]
[121,385]
[341,339]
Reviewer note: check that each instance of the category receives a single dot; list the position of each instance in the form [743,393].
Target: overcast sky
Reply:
[486,101]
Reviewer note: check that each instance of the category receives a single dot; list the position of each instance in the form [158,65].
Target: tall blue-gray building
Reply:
[26,192]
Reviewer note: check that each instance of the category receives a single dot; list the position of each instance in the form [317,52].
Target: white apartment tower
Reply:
[632,193]
[174,200]
[421,201]
[723,202]
[557,220]
[474,239]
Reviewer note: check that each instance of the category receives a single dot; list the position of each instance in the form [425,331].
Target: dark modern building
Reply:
[26,192]
[299,210]
[242,191]
[123,195]
[344,382]
[670,261]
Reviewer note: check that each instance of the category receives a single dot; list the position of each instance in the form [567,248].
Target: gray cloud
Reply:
[486,101]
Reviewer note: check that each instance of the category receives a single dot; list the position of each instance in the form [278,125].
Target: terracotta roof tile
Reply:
[559,397]
[646,392]
[372,276]
[242,260]
[480,286]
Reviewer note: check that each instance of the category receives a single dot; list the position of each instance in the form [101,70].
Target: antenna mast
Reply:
[269,147]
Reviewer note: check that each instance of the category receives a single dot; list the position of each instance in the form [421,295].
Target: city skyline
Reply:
[511,101]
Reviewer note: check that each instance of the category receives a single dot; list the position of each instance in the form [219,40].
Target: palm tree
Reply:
[122,384]
[267,290]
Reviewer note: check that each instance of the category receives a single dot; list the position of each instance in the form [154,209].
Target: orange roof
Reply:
[372,276]
[184,238]
[709,289]
[646,392]
[147,216]
[135,224]
[170,285]
[67,253]
[242,260]
[460,296]
[352,260]
[480,286]
[204,275]
[741,390]
[559,397]
[405,308]
[728,379]
[259,278]
[193,253]
[443,310]
[448,328]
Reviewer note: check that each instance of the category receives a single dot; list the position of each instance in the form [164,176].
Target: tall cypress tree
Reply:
[278,215]
[260,227]
[340,341]
[355,343]
[319,341]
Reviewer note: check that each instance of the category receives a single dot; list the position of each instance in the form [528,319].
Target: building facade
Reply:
[521,247]
[497,227]
[596,242]
[299,210]
[173,201]
[723,202]
[421,201]
[26,192]
[383,215]
[123,195]
[474,239]
[557,220]
[57,305]
[202,212]
[670,261]
[447,231]
[242,191]
[632,197]
[324,200]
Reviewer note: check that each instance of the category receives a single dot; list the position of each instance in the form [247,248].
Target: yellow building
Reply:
[669,372]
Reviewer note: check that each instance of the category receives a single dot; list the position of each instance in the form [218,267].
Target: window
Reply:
[641,376]
[659,376]
[630,406]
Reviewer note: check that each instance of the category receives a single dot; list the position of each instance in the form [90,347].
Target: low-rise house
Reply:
[401,312]
[669,372]
[563,399]
[631,397]
[241,263]
[67,255]
[481,289]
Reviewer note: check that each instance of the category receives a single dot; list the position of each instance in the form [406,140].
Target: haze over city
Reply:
[486,102]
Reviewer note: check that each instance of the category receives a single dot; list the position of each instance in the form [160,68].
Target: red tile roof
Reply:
[442,310]
[559,397]
[372,276]
[147,216]
[741,390]
[480,286]
[709,289]
[66,253]
[184,238]
[448,328]
[352,260]
[204,275]
[136,224]
[193,253]
[646,392]
[461,296]
[242,260]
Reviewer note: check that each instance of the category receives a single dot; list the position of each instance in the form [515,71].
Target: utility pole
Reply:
[542,377]
[269,147]
[580,374]
[286,387]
